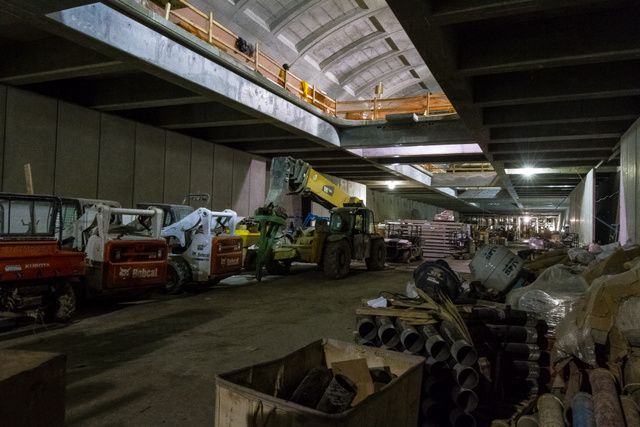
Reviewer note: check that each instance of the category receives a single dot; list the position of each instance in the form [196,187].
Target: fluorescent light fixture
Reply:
[418,150]
[391,185]
[528,171]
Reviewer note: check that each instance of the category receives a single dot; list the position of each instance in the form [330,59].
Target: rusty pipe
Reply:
[528,421]
[606,405]
[412,340]
[387,332]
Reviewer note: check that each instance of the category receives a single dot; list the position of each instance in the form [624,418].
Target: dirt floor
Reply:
[153,362]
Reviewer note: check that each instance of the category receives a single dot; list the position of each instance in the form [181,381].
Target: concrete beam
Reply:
[595,110]
[533,148]
[533,158]
[449,158]
[263,132]
[440,131]
[117,35]
[459,11]
[357,71]
[52,59]
[340,55]
[289,14]
[210,114]
[588,131]
[558,84]
[126,92]
[566,40]
[368,86]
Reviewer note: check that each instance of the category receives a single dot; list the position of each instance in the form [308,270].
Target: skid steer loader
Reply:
[203,248]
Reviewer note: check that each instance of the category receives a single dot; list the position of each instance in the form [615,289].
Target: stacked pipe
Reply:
[513,346]
[451,374]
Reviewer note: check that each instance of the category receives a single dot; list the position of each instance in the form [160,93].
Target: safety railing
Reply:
[204,26]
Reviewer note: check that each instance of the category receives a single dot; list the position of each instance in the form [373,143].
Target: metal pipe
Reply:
[461,349]
[606,405]
[525,369]
[338,395]
[582,410]
[465,399]
[522,351]
[432,409]
[435,345]
[528,421]
[387,332]
[510,333]
[435,388]
[459,418]
[500,316]
[412,340]
[366,327]
[438,369]
[630,410]
[465,376]
[312,387]
[550,411]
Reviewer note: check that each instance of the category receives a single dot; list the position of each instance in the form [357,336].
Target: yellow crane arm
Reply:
[303,179]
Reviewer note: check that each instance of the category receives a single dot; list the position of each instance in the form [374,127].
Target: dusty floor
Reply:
[153,362]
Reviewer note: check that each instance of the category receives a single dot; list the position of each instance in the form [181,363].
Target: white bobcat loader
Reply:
[203,248]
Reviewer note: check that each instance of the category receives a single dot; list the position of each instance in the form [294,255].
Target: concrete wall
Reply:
[582,209]
[387,206]
[629,185]
[74,151]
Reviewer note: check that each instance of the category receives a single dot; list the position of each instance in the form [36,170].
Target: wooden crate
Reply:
[252,396]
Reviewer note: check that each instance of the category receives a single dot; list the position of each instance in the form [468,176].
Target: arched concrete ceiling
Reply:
[343,47]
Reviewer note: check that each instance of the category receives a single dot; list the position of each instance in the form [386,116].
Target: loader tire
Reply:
[64,303]
[277,267]
[177,276]
[337,259]
[377,255]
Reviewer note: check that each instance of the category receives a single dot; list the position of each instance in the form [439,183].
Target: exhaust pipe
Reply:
[388,334]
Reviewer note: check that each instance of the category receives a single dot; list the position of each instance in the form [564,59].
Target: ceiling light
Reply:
[391,185]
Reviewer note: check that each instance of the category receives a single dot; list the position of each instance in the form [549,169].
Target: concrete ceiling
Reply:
[539,83]
[344,47]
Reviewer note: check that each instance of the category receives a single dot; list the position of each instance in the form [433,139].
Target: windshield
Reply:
[181,212]
[27,217]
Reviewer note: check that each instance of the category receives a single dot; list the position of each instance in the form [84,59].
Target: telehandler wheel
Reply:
[337,259]
[377,256]
[64,304]
[177,276]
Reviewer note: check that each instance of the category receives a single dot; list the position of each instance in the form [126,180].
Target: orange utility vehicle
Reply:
[36,275]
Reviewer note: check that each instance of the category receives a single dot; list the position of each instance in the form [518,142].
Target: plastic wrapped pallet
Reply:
[554,293]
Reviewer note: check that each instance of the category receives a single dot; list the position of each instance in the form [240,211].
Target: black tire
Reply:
[377,256]
[177,276]
[64,305]
[337,259]
[278,267]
